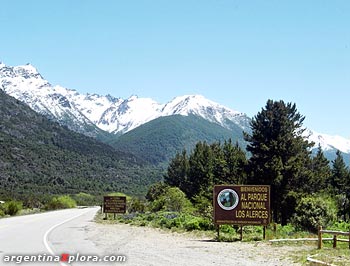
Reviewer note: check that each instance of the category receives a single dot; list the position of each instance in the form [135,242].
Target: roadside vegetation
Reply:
[34,204]
[306,190]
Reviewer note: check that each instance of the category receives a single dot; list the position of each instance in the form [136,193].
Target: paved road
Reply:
[51,233]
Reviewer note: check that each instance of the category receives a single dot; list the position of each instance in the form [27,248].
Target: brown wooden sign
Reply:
[242,205]
[114,204]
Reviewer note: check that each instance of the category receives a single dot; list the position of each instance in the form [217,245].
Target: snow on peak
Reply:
[207,109]
[27,71]
[328,142]
[133,97]
[107,112]
[27,67]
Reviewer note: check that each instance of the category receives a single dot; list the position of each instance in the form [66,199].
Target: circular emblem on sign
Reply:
[228,199]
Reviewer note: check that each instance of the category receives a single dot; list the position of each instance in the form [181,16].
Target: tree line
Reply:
[278,154]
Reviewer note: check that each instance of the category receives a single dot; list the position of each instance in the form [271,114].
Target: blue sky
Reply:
[236,52]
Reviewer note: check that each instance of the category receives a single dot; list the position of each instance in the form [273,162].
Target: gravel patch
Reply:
[145,246]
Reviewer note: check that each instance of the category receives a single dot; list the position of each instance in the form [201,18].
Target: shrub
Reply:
[312,211]
[340,226]
[2,214]
[192,224]
[136,205]
[61,202]
[84,199]
[12,207]
[225,228]
[169,199]
[156,191]
[157,204]
[175,200]
[204,206]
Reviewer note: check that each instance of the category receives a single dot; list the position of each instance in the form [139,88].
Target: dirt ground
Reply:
[148,246]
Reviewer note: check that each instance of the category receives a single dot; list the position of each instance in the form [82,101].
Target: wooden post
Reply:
[264,232]
[241,237]
[334,241]
[274,229]
[218,231]
[319,237]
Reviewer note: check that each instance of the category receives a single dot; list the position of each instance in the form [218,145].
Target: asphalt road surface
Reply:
[45,234]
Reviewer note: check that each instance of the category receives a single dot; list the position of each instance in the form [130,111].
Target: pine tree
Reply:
[177,173]
[339,179]
[200,177]
[220,168]
[280,155]
[206,166]
[340,185]
[236,162]
[321,172]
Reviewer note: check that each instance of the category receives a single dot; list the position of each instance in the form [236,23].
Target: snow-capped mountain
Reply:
[92,114]
[108,113]
[27,85]
[328,142]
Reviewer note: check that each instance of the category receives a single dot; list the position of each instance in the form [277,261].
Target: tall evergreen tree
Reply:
[220,168]
[236,162]
[321,173]
[177,172]
[340,174]
[280,155]
[200,177]
[340,185]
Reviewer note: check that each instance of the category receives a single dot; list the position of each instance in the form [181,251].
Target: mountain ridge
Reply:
[108,113]
[95,115]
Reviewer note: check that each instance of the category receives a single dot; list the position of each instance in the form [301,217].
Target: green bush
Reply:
[168,199]
[85,199]
[2,214]
[61,202]
[340,226]
[157,204]
[12,207]
[312,211]
[286,230]
[225,228]
[136,205]
[156,191]
[206,224]
[192,224]
[175,200]
[204,207]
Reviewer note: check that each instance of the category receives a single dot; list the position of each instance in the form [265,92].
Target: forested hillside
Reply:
[160,139]
[38,156]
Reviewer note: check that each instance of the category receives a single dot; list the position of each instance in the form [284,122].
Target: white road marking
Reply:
[45,238]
